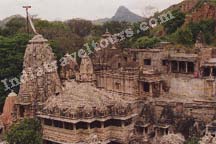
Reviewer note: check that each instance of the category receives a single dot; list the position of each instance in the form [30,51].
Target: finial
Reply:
[107,30]
[29,20]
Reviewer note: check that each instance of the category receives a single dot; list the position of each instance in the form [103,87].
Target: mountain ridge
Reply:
[122,14]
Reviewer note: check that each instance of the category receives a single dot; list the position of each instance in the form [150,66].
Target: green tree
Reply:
[115,27]
[13,26]
[27,131]
[80,27]
[207,27]
[172,25]
[184,37]
[97,30]
[146,42]
[11,52]
[61,38]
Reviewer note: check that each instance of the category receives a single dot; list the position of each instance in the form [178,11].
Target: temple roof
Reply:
[38,39]
[12,94]
[84,96]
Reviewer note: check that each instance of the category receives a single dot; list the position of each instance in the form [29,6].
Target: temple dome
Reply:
[12,94]
[38,39]
[85,98]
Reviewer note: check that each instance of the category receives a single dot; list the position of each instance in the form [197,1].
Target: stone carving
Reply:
[39,79]
[69,70]
[86,73]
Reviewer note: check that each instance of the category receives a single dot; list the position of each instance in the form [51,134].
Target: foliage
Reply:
[11,52]
[146,42]
[184,37]
[80,27]
[60,36]
[193,140]
[97,30]
[13,26]
[207,27]
[116,27]
[172,25]
[27,131]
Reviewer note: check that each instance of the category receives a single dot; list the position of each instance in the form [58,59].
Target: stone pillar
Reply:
[156,132]
[170,66]
[144,132]
[164,132]
[74,126]
[151,89]
[89,126]
[211,72]
[186,64]
[102,124]
[177,66]
[122,124]
[207,131]
[63,125]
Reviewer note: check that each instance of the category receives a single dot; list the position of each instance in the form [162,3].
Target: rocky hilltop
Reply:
[122,14]
[205,11]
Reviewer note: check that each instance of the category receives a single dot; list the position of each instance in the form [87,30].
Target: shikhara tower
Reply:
[40,79]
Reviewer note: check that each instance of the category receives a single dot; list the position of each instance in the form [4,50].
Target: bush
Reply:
[207,27]
[146,42]
[172,25]
[184,37]
[27,131]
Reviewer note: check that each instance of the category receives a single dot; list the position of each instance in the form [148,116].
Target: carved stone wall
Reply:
[8,110]
[39,79]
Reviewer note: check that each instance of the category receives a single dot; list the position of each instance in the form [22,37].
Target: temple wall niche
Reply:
[187,87]
[156,60]
[205,55]
[117,84]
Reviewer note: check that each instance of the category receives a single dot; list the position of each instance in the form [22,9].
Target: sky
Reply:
[85,9]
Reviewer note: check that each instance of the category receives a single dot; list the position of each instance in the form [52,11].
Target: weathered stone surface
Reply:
[86,73]
[8,109]
[69,67]
[208,139]
[172,139]
[39,79]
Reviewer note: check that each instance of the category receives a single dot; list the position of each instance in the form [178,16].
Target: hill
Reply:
[122,14]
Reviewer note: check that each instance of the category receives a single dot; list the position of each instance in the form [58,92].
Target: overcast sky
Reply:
[87,9]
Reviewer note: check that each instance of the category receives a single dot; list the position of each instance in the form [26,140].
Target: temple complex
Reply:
[117,95]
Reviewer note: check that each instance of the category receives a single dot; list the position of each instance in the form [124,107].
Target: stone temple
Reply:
[117,96]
